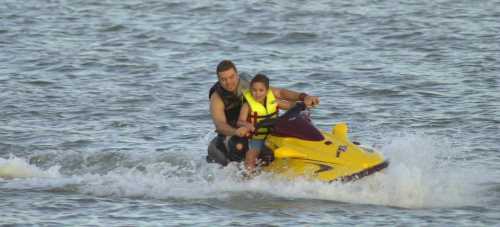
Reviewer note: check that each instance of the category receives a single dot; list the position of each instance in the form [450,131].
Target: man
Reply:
[226,99]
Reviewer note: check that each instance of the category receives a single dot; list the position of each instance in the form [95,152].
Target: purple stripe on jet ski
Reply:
[298,126]
[365,172]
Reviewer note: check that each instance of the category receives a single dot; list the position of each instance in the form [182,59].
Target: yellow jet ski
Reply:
[296,148]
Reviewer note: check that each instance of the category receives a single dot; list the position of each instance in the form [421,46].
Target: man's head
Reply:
[228,75]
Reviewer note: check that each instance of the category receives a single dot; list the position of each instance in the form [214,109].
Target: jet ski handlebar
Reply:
[269,122]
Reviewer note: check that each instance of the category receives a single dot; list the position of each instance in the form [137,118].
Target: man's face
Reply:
[229,80]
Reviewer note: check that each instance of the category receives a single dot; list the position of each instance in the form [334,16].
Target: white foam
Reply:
[162,180]
[15,167]
[419,176]
[422,173]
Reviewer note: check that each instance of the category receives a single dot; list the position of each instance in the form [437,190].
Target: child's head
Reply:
[259,86]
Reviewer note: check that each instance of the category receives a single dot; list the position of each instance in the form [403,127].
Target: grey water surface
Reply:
[104,110]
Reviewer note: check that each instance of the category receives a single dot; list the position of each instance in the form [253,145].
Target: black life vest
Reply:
[232,103]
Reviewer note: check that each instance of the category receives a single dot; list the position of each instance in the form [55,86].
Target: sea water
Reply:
[104,110]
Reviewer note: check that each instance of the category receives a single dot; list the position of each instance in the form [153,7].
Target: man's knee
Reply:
[238,143]
[239,147]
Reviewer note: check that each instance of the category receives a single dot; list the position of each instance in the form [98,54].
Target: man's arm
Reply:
[219,118]
[292,96]
[242,120]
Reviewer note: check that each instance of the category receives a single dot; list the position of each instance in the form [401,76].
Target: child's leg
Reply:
[252,155]
[251,159]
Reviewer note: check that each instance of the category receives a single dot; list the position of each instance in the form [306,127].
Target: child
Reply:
[260,103]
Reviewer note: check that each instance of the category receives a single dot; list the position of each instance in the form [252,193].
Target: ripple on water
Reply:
[38,83]
[260,36]
[367,68]
[384,92]
[294,38]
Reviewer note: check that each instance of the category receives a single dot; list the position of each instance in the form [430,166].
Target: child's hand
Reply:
[250,127]
[242,131]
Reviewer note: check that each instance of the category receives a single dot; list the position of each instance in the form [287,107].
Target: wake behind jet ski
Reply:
[296,148]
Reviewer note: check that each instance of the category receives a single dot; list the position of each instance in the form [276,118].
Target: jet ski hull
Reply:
[299,149]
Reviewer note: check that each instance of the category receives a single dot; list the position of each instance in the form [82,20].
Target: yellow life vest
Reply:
[260,111]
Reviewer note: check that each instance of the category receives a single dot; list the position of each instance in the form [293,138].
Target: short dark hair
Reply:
[260,78]
[225,65]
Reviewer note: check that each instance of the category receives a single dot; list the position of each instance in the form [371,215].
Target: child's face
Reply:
[259,91]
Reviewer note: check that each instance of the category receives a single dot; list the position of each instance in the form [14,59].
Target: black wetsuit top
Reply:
[232,102]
